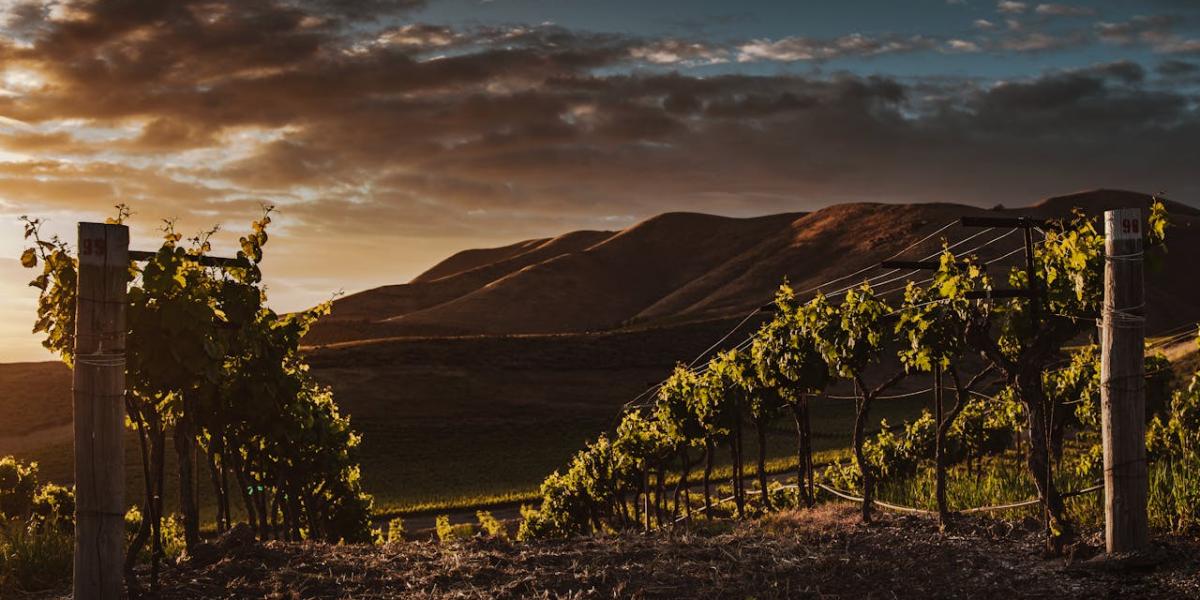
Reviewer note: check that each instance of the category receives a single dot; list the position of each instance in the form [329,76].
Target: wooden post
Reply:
[1122,391]
[939,451]
[99,405]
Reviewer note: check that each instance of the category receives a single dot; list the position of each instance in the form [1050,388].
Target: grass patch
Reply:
[34,559]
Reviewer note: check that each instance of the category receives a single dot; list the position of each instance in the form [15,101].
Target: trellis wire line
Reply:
[101,359]
[982,395]
[691,365]
[903,287]
[1189,327]
[926,280]
[950,247]
[880,503]
[876,265]
[908,509]
[699,371]
[1179,337]
[757,310]
[1126,257]
[921,305]
[891,397]
[1000,258]
[724,337]
[877,277]
[754,312]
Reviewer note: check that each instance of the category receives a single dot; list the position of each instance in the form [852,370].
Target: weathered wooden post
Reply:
[1123,391]
[99,405]
[939,451]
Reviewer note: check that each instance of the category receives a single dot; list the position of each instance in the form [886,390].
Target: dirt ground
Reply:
[824,553]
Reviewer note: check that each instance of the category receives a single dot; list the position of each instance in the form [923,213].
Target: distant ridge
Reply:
[681,267]
[514,256]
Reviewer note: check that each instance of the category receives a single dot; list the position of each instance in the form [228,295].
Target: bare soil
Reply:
[824,553]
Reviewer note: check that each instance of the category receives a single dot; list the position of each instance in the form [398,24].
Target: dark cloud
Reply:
[1124,70]
[1160,32]
[1177,68]
[357,122]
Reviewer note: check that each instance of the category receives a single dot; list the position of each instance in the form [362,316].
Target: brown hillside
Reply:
[476,257]
[681,267]
[607,284]
[1100,200]
[33,396]
[361,315]
[515,256]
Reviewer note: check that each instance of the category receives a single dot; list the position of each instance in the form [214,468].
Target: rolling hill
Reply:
[486,372]
[682,267]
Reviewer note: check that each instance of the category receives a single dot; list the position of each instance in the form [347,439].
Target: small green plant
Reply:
[1173,443]
[18,485]
[447,532]
[395,531]
[490,524]
[173,541]
[54,506]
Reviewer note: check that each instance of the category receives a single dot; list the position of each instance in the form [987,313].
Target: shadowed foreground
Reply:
[823,553]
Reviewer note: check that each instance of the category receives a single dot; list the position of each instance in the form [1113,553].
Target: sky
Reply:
[391,133]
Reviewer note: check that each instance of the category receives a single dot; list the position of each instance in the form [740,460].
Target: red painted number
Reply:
[93,247]
[1130,226]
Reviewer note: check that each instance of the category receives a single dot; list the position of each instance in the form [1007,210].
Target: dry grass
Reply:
[824,553]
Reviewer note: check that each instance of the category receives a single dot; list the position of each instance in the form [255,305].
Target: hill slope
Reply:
[436,411]
[681,267]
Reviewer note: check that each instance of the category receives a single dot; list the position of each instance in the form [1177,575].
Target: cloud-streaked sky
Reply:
[391,133]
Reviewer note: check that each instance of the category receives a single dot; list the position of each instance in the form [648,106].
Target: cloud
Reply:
[1177,68]
[967,46]
[428,137]
[1139,28]
[793,49]
[679,52]
[420,36]
[1037,41]
[1156,31]
[1123,70]
[1064,10]
[1009,7]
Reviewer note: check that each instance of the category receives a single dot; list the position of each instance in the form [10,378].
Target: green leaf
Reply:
[29,258]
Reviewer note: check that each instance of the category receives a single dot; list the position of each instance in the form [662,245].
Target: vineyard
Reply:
[1002,340]
[208,363]
[1035,352]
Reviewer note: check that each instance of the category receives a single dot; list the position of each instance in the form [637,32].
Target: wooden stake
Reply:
[1122,391]
[99,406]
[939,450]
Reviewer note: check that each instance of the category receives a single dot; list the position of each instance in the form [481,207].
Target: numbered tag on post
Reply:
[93,244]
[1125,224]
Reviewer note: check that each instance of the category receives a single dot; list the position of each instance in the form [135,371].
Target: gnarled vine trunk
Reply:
[761,427]
[1039,457]
[184,441]
[709,447]
[863,409]
[804,474]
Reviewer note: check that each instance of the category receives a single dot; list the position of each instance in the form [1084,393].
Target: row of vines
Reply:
[216,382]
[1036,360]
